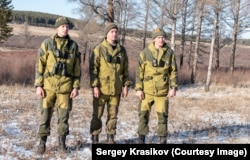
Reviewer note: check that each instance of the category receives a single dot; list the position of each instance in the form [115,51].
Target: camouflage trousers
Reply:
[112,103]
[161,108]
[62,104]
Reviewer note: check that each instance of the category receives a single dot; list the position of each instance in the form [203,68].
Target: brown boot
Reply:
[95,139]
[110,139]
[141,139]
[62,144]
[42,145]
[163,140]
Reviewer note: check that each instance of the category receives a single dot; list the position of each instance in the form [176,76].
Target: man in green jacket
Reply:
[109,81]
[57,81]
[156,82]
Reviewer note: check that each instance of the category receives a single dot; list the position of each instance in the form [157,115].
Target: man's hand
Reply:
[74,93]
[40,92]
[96,92]
[140,94]
[171,93]
[124,91]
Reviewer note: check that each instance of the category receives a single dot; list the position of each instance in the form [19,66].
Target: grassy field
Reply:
[195,116]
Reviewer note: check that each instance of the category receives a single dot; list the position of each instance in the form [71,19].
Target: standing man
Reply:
[109,81]
[57,81]
[156,82]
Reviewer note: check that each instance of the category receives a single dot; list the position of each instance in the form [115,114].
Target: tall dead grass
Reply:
[18,67]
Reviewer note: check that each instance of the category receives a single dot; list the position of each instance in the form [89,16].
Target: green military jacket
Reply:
[155,78]
[108,68]
[59,78]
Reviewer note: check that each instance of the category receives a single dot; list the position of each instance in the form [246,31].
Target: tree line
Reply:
[37,18]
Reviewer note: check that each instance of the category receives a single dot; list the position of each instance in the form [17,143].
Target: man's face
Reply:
[112,34]
[63,30]
[159,41]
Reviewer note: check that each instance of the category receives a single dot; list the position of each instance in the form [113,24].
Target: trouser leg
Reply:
[96,121]
[111,119]
[144,108]
[162,124]
[111,123]
[162,114]
[63,125]
[44,128]
[162,127]
[47,106]
[143,128]
[64,106]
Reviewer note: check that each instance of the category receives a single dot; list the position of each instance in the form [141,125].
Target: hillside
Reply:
[29,37]
[38,19]
[18,29]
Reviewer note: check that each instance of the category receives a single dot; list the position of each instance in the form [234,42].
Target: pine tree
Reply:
[5,17]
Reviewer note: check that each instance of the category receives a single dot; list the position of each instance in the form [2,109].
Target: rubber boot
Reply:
[163,140]
[95,139]
[110,139]
[42,145]
[62,145]
[141,139]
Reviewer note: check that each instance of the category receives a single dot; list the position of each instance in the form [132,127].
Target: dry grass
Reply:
[39,31]
[195,116]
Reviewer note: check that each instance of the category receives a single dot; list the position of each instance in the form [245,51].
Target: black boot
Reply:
[110,139]
[141,139]
[62,145]
[42,145]
[163,140]
[95,139]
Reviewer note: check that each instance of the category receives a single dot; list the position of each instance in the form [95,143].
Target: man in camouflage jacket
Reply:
[156,81]
[57,81]
[109,81]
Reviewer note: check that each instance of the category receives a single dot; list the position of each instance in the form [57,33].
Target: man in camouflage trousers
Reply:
[156,82]
[57,81]
[109,81]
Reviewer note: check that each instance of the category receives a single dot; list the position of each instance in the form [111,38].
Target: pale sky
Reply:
[58,7]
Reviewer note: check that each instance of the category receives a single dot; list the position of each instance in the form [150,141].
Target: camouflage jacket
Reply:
[156,70]
[108,68]
[58,65]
